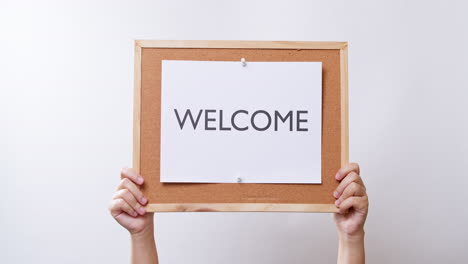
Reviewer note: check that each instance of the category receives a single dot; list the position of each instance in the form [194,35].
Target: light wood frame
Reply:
[219,44]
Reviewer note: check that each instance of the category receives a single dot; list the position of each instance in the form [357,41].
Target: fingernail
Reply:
[336,194]
[337,202]
[140,180]
[144,200]
[337,176]
[134,214]
[141,210]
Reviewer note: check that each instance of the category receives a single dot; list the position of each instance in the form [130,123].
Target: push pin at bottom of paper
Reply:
[239,180]
[243,62]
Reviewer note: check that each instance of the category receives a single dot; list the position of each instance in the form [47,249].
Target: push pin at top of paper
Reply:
[243,62]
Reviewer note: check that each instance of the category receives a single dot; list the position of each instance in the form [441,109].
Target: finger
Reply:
[125,183]
[346,170]
[353,189]
[358,203]
[351,177]
[132,175]
[131,200]
[119,205]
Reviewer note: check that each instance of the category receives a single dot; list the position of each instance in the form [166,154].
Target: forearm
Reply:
[351,249]
[144,248]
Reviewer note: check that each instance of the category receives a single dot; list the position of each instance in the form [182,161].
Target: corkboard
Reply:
[239,196]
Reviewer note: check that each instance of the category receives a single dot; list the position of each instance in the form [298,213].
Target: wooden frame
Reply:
[218,44]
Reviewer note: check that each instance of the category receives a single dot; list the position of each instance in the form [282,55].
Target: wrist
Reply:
[354,239]
[144,246]
[144,235]
[351,248]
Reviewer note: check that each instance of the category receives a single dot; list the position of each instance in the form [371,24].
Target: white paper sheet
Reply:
[195,154]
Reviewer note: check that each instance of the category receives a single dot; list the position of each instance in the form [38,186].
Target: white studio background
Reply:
[66,94]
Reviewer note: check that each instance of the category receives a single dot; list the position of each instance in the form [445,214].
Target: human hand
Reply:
[127,204]
[352,202]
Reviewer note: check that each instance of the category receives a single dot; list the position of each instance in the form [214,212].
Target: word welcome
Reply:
[215,120]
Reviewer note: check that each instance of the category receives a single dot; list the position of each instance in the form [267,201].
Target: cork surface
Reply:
[150,125]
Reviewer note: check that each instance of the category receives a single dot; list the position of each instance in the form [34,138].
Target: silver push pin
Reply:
[239,180]
[243,62]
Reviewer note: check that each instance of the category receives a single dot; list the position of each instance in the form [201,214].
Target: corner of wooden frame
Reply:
[137,43]
[344,45]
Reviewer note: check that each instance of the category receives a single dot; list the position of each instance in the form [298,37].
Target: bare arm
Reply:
[144,247]
[353,205]
[127,209]
[351,250]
